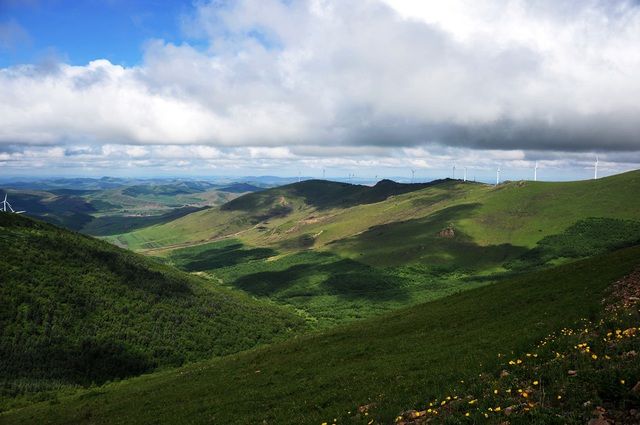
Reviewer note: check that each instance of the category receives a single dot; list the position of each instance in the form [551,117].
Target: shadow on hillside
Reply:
[115,224]
[216,257]
[343,277]
[420,240]
[323,194]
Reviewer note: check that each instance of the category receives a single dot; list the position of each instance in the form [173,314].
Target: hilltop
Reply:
[370,371]
[75,311]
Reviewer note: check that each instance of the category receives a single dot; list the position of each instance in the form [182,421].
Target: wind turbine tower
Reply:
[413,175]
[454,171]
[535,172]
[498,176]
[6,204]
[465,173]
[595,172]
[323,173]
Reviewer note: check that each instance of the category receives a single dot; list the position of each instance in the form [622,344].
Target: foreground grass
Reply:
[584,372]
[391,363]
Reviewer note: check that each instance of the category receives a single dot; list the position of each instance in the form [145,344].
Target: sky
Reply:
[295,87]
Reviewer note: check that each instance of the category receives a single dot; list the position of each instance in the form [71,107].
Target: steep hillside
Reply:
[75,310]
[370,371]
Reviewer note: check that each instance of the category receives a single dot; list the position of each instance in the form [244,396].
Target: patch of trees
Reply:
[75,310]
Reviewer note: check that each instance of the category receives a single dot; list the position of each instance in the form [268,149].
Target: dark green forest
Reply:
[77,311]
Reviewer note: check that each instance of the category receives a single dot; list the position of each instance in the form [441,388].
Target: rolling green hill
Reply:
[518,213]
[368,372]
[75,311]
[261,213]
[338,252]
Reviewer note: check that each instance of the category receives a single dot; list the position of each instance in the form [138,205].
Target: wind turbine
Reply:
[413,174]
[465,173]
[323,173]
[454,170]
[6,204]
[595,173]
[535,172]
[498,176]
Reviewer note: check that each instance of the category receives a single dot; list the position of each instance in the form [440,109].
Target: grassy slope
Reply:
[75,310]
[396,361]
[280,214]
[516,213]
[495,223]
[371,257]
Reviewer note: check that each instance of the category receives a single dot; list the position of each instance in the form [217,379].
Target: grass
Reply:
[324,288]
[336,287]
[330,216]
[390,364]
[570,377]
[104,225]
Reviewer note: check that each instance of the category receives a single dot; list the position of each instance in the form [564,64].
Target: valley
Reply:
[338,252]
[317,301]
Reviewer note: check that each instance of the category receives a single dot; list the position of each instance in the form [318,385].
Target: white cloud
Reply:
[349,80]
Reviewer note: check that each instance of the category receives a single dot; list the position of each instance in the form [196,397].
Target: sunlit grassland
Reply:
[514,213]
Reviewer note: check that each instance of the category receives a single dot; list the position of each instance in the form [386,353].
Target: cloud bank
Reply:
[375,76]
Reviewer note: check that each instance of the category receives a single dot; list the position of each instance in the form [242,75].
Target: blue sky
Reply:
[228,87]
[80,31]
